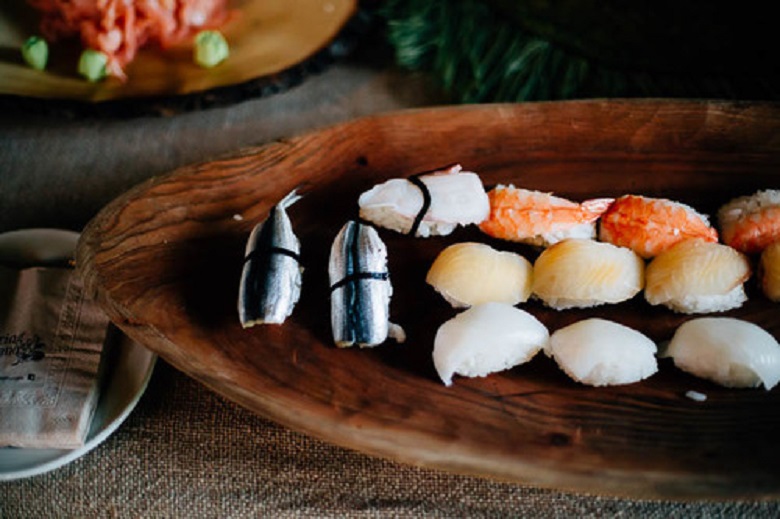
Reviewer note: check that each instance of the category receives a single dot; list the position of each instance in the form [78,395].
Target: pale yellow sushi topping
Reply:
[468,274]
[583,273]
[695,268]
[770,271]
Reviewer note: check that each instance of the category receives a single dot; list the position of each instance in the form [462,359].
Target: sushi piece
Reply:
[428,204]
[730,352]
[468,274]
[579,273]
[649,226]
[769,271]
[360,288]
[538,218]
[751,223]
[485,339]
[271,277]
[597,352]
[696,276]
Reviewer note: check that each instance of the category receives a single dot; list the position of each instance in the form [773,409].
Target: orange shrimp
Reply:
[751,223]
[540,218]
[119,28]
[650,226]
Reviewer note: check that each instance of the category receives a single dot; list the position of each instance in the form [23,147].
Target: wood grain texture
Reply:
[266,37]
[165,260]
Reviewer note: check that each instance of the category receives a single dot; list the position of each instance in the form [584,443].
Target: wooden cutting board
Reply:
[165,260]
[265,38]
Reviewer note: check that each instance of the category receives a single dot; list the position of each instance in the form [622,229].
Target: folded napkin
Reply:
[51,344]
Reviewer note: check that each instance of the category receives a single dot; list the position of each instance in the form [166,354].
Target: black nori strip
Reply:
[273,250]
[259,266]
[426,194]
[358,324]
[352,292]
[382,276]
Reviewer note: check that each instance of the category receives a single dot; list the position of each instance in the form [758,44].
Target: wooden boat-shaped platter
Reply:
[165,260]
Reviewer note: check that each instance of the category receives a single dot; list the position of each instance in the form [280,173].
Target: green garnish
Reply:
[210,49]
[92,65]
[35,52]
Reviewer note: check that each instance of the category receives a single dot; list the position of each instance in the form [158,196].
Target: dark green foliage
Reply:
[481,56]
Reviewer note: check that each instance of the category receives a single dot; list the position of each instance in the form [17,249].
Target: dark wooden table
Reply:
[186,451]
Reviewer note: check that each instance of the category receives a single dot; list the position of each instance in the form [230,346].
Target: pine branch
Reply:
[479,56]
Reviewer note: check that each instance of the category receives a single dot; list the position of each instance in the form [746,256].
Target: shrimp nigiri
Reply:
[649,226]
[539,218]
[750,223]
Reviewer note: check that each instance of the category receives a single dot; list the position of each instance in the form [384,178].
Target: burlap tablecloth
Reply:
[184,451]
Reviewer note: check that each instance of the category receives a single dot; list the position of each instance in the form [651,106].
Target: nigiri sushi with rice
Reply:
[598,352]
[538,218]
[697,276]
[360,288]
[649,226]
[581,273]
[751,223]
[428,204]
[485,339]
[470,273]
[769,271]
[731,352]
[270,283]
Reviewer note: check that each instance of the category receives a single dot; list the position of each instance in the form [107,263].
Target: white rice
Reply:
[744,206]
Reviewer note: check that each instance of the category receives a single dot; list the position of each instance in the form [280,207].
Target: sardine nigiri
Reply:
[271,277]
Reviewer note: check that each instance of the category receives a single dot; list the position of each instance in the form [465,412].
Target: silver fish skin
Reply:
[360,287]
[271,277]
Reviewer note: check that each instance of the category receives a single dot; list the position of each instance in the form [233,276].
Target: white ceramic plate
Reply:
[126,381]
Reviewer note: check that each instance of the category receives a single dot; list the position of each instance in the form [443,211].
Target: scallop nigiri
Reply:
[584,273]
[539,218]
[649,226]
[769,271]
[751,223]
[467,274]
[427,204]
[597,352]
[730,352]
[696,276]
[485,339]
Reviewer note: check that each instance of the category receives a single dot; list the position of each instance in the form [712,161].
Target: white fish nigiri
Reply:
[730,352]
[697,276]
[470,273]
[598,352]
[427,205]
[485,339]
[584,273]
